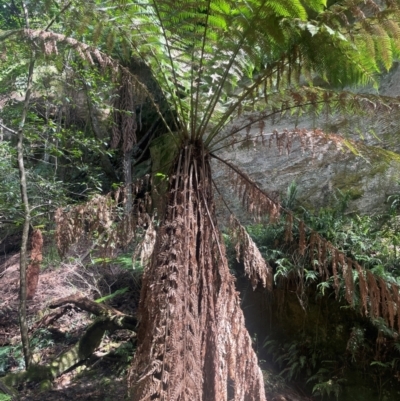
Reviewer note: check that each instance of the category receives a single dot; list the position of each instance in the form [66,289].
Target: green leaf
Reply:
[114,294]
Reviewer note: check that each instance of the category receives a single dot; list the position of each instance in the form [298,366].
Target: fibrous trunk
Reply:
[193,345]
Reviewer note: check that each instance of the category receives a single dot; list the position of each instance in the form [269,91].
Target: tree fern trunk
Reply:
[193,345]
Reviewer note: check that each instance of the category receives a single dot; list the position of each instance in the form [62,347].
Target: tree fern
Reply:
[216,60]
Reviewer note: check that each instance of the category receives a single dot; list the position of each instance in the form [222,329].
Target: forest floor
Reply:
[103,375]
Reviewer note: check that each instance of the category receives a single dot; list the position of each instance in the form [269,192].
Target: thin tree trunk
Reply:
[25,230]
[193,345]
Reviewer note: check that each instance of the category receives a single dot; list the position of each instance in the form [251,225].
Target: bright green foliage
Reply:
[214,58]
[45,194]
[370,240]
[332,347]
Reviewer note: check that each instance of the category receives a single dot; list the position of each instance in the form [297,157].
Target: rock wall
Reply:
[324,166]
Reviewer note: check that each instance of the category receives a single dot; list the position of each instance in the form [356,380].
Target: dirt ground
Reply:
[101,377]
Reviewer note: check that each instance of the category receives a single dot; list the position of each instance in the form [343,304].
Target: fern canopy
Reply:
[213,57]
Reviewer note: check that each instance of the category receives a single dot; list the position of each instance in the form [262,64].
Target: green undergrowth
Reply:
[312,337]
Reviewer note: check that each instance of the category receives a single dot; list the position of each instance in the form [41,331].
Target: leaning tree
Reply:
[223,67]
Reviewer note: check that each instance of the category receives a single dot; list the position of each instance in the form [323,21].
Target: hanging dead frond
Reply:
[387,306]
[363,286]
[348,280]
[33,270]
[102,216]
[335,259]
[374,295]
[254,199]
[50,40]
[381,301]
[302,237]
[193,345]
[289,228]
[256,267]
[396,299]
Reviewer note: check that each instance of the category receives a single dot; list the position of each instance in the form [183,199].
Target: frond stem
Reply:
[214,100]
[230,111]
[172,64]
[262,117]
[196,102]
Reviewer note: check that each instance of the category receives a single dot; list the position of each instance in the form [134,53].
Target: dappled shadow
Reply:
[98,380]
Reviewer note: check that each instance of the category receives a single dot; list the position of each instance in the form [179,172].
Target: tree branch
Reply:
[56,16]
[11,131]
[119,319]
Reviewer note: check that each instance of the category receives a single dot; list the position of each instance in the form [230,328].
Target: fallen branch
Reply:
[120,320]
[49,319]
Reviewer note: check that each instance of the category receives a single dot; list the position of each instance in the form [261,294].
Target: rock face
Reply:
[323,166]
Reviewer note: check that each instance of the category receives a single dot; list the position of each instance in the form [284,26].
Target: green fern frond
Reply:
[287,8]
[97,31]
[310,99]
[215,59]
[383,45]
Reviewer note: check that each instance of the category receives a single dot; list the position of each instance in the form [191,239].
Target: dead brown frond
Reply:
[283,141]
[105,217]
[255,266]
[302,237]
[362,283]
[33,270]
[396,300]
[335,259]
[289,228]
[375,300]
[254,199]
[193,344]
[374,295]
[384,297]
[72,224]
[387,306]
[348,280]
[49,41]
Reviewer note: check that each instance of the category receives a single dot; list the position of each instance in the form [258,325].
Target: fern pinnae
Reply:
[236,105]
[195,104]
[341,102]
[172,64]
[396,300]
[215,98]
